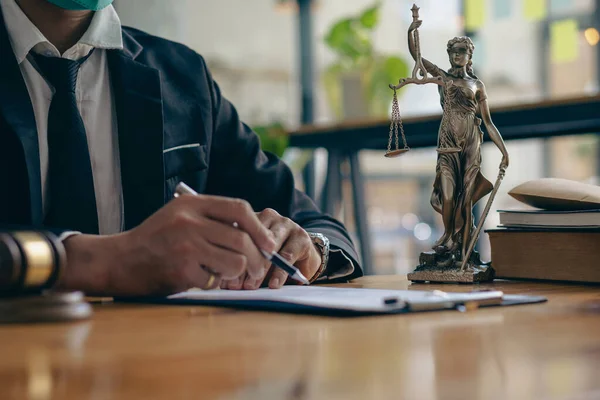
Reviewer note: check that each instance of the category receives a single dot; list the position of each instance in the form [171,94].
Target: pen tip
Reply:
[302,278]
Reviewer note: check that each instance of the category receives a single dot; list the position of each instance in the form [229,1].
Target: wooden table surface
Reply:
[541,351]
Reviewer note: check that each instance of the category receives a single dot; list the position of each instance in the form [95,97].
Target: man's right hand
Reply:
[175,249]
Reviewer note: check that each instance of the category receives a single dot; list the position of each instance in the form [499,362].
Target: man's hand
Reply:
[177,248]
[292,242]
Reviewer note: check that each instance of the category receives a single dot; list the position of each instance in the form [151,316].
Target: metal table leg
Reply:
[332,191]
[360,213]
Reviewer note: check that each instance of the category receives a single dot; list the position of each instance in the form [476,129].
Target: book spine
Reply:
[545,255]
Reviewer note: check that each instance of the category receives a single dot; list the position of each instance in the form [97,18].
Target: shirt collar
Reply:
[104,31]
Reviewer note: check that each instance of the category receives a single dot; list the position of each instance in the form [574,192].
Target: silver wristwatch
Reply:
[322,243]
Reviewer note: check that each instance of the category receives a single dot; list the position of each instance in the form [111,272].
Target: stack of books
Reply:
[560,242]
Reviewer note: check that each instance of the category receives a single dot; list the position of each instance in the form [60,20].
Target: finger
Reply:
[268,216]
[226,263]
[252,283]
[282,230]
[234,284]
[225,283]
[297,247]
[228,237]
[234,211]
[196,276]
[212,281]
[278,278]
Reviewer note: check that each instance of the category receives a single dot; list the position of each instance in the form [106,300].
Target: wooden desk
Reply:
[549,351]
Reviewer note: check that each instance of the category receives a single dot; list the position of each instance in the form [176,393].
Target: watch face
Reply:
[322,242]
[319,239]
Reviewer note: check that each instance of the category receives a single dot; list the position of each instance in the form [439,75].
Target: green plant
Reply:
[352,42]
[273,137]
[586,148]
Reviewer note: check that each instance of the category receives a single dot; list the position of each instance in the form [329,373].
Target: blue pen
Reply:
[275,258]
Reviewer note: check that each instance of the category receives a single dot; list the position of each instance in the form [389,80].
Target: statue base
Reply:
[444,268]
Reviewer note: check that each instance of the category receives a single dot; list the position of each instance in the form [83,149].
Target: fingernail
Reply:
[274,283]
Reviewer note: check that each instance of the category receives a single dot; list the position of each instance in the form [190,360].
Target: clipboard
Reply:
[340,301]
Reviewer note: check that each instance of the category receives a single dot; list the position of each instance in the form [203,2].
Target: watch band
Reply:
[322,243]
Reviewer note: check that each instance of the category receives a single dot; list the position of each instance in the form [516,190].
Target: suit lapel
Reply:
[17,111]
[138,99]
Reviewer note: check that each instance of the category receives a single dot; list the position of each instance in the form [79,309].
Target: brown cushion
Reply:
[558,194]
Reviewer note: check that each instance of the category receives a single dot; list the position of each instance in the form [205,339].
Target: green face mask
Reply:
[93,5]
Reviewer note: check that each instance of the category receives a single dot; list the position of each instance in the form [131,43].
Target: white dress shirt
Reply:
[94,100]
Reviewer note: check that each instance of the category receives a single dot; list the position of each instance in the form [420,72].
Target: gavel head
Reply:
[30,262]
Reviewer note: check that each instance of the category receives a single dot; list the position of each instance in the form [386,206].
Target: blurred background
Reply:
[526,51]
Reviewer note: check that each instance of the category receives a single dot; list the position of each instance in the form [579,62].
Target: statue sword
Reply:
[486,210]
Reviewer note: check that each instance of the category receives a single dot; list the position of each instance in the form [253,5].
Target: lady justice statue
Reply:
[459,183]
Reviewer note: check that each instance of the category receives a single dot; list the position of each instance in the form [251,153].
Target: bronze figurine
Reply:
[459,183]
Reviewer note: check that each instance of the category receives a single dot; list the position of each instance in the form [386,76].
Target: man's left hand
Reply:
[293,243]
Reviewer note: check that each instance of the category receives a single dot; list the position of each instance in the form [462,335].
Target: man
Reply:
[98,124]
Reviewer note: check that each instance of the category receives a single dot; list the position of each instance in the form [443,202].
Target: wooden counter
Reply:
[549,351]
[557,117]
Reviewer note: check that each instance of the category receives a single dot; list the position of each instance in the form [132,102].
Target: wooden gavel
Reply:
[30,262]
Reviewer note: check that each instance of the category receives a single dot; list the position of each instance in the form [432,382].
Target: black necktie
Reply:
[71,202]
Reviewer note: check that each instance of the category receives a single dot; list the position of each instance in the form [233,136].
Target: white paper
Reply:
[355,299]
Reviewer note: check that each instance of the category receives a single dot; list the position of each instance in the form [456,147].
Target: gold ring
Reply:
[211,280]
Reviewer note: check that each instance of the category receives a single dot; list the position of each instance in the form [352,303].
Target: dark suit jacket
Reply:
[165,97]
